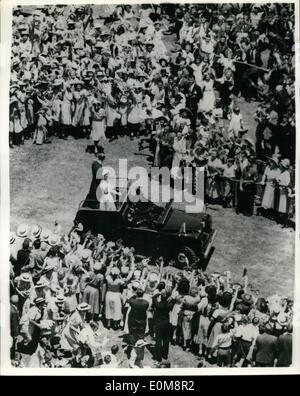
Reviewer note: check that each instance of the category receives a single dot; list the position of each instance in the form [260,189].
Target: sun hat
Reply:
[60,298]
[85,254]
[115,271]
[153,277]
[23,230]
[285,163]
[182,258]
[249,140]
[41,283]
[12,237]
[247,299]
[274,159]
[45,234]
[53,239]
[135,284]
[83,307]
[140,343]
[39,300]
[48,267]
[282,319]
[25,277]
[36,230]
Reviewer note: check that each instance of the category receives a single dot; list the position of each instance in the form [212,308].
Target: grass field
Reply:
[49,181]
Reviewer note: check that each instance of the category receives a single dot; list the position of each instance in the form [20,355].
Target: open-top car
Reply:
[154,230]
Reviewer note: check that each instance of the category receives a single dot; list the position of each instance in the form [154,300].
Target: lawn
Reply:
[48,182]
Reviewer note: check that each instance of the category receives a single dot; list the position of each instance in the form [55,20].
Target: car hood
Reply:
[176,218]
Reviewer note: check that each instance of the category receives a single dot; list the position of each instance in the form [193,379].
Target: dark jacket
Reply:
[194,94]
[265,349]
[284,350]
[138,310]
[253,56]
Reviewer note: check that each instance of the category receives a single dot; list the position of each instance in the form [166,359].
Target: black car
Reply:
[154,230]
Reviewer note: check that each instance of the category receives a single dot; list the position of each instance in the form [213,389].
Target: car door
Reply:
[144,240]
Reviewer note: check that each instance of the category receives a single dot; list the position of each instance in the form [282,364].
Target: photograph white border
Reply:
[5,366]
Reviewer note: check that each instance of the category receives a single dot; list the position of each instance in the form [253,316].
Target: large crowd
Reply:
[78,300]
[76,73]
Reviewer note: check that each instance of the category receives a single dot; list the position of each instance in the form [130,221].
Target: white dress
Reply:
[98,125]
[283,180]
[268,197]
[207,102]
[106,199]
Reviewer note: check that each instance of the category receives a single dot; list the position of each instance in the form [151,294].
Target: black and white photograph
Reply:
[150,155]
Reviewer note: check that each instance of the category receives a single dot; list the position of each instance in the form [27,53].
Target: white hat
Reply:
[53,239]
[12,237]
[36,230]
[83,307]
[140,343]
[23,230]
[45,234]
[85,254]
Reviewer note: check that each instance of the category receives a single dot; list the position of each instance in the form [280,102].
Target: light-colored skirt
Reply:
[113,306]
[98,130]
[268,197]
[201,336]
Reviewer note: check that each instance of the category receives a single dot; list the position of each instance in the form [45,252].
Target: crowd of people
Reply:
[71,292]
[79,73]
[76,72]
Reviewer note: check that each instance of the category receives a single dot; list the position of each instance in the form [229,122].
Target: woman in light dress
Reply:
[269,179]
[105,191]
[283,180]
[180,149]
[207,102]
[98,124]
[113,298]
[70,334]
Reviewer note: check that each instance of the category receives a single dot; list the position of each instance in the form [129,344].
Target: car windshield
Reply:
[143,214]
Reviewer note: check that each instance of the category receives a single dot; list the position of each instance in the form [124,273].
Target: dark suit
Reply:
[253,56]
[194,94]
[265,350]
[137,318]
[91,200]
[162,327]
[284,350]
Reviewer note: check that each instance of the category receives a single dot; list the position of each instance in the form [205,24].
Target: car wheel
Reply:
[189,254]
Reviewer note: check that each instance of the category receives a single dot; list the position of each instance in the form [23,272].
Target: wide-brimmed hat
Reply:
[247,299]
[83,307]
[41,283]
[60,299]
[185,110]
[140,344]
[282,319]
[249,140]
[45,234]
[36,230]
[48,267]
[153,277]
[182,258]
[53,239]
[12,237]
[25,277]
[76,81]
[274,159]
[115,271]
[123,99]
[285,163]
[23,230]
[39,300]
[85,254]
